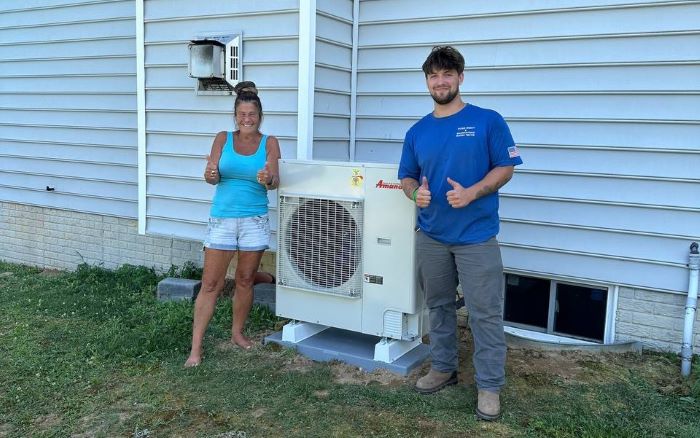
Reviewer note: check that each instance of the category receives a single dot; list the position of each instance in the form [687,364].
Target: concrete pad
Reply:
[352,348]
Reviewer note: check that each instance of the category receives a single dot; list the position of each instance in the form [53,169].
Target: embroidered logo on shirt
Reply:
[466,131]
[513,152]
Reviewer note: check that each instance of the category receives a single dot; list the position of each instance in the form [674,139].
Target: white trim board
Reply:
[307,63]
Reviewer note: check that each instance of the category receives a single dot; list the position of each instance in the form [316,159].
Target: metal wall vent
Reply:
[215,61]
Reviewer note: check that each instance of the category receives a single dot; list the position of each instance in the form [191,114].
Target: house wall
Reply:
[68,122]
[602,98]
[333,80]
[68,105]
[180,125]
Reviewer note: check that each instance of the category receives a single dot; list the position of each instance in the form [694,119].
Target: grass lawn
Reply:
[91,353]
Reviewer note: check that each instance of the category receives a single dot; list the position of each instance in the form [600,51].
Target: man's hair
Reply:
[443,58]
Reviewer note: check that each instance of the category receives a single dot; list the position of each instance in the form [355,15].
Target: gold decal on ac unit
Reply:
[356,180]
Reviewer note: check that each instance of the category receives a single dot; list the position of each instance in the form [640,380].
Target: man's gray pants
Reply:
[479,269]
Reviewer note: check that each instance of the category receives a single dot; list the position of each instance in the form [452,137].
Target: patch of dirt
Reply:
[535,367]
[226,346]
[299,363]
[344,373]
[47,421]
[86,424]
[673,384]
[50,273]
[532,368]
[5,429]
[493,429]
[94,424]
[258,412]
[6,274]
[531,364]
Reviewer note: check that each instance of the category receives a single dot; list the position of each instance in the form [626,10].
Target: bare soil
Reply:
[534,366]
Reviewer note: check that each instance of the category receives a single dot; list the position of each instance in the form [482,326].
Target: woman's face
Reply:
[247,117]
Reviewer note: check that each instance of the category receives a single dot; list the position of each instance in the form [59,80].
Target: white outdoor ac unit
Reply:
[345,252]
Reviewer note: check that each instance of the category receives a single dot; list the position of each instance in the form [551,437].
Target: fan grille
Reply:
[322,240]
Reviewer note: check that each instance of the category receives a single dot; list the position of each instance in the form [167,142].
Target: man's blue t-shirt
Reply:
[465,147]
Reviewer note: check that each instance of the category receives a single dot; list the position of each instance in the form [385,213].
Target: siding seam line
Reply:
[600,202]
[68,23]
[226,15]
[593,254]
[530,12]
[536,39]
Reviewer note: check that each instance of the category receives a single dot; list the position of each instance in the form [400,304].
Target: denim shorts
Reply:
[242,233]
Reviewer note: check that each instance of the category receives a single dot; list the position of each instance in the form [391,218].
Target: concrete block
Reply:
[659,297]
[172,289]
[181,245]
[264,295]
[624,316]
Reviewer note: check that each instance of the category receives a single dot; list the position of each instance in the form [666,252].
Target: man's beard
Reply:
[449,97]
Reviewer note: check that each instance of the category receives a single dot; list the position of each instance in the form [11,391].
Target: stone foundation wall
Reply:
[62,239]
[654,318]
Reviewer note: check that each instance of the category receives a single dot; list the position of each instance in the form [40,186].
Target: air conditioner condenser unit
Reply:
[345,254]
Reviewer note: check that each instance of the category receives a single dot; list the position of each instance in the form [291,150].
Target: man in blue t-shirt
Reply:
[454,160]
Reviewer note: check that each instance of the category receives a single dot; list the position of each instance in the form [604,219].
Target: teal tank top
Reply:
[239,194]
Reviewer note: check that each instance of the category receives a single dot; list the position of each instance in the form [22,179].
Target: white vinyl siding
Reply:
[180,125]
[332,80]
[603,99]
[68,105]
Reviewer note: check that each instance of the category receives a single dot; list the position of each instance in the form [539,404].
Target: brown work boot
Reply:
[435,381]
[488,406]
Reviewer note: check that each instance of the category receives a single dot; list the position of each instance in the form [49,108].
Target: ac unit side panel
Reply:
[334,311]
[389,253]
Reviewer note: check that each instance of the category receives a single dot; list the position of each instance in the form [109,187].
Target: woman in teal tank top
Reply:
[243,166]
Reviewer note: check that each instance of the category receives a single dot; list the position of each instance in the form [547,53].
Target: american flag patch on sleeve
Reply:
[513,152]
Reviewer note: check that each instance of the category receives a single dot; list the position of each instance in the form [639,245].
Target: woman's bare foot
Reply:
[242,342]
[193,361]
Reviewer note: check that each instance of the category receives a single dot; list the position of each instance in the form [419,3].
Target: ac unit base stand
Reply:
[297,331]
[357,349]
[388,350]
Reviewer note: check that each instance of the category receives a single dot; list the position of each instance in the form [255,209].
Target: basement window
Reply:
[554,307]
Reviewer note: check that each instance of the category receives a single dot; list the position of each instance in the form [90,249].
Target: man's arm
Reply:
[461,196]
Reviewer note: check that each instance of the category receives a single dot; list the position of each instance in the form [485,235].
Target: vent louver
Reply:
[322,239]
